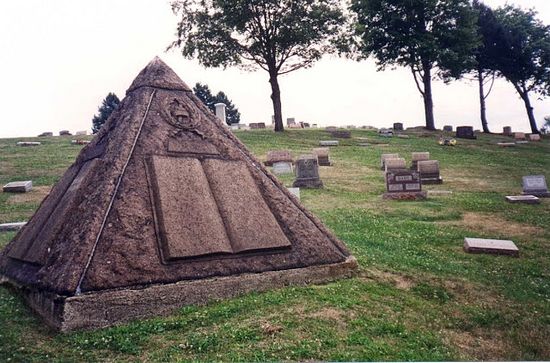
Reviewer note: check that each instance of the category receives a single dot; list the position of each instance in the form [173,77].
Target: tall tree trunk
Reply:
[482,107]
[276,99]
[524,94]
[428,101]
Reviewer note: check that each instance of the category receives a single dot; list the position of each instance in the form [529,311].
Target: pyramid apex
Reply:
[159,75]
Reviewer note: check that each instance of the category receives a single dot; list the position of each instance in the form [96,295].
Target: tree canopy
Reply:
[202,91]
[278,36]
[109,104]
[526,61]
[421,35]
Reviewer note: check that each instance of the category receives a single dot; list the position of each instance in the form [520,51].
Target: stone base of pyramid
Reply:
[107,308]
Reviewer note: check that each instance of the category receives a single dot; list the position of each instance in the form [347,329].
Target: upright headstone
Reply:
[491,246]
[18,187]
[384,157]
[403,184]
[274,156]
[307,172]
[64,133]
[340,134]
[322,154]
[395,164]
[465,132]
[429,172]
[534,137]
[385,132]
[419,156]
[81,133]
[331,128]
[282,167]
[398,126]
[519,136]
[507,131]
[220,112]
[535,185]
[290,121]
[328,143]
[448,128]
[46,134]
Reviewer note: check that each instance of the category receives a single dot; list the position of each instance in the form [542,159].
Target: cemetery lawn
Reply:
[418,296]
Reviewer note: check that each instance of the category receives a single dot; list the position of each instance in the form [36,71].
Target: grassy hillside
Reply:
[418,295]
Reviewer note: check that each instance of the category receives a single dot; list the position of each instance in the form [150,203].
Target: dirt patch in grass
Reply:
[399,281]
[34,196]
[495,225]
[478,345]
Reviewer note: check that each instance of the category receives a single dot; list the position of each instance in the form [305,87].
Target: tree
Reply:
[202,91]
[493,44]
[278,36]
[422,35]
[526,63]
[109,104]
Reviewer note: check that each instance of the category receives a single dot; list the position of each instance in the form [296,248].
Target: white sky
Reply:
[60,58]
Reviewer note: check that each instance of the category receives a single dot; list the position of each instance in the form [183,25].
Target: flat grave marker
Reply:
[491,246]
[18,187]
[527,199]
[328,143]
[28,143]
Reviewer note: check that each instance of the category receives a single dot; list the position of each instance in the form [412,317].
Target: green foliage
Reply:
[202,91]
[420,35]
[109,104]
[278,36]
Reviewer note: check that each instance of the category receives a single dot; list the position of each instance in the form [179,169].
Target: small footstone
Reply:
[28,143]
[328,143]
[439,192]
[6,227]
[491,246]
[528,199]
[506,144]
[18,187]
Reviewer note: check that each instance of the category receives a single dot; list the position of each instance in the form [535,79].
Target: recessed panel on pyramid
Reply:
[164,208]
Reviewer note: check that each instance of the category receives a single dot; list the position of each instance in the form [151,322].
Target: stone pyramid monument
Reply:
[164,208]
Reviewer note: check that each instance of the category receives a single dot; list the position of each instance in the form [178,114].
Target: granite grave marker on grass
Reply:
[535,185]
[429,171]
[307,172]
[490,246]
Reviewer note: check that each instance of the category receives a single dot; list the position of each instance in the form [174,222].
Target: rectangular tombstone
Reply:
[81,133]
[448,128]
[403,184]
[519,136]
[274,156]
[535,185]
[419,156]
[46,134]
[290,121]
[394,164]
[386,156]
[429,171]
[507,131]
[282,167]
[295,192]
[527,199]
[322,154]
[398,126]
[385,132]
[534,137]
[18,187]
[307,172]
[465,132]
[491,246]
[28,143]
[340,134]
[7,227]
[64,133]
[328,143]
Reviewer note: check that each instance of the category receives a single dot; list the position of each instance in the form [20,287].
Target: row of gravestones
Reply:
[63,133]
[307,166]
[467,132]
[406,183]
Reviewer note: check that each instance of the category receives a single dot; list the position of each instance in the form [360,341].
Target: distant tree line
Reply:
[108,105]
[434,39]
[202,91]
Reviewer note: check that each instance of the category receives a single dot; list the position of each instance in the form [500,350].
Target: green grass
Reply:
[418,295]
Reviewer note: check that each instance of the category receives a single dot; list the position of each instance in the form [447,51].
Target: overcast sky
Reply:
[60,58]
